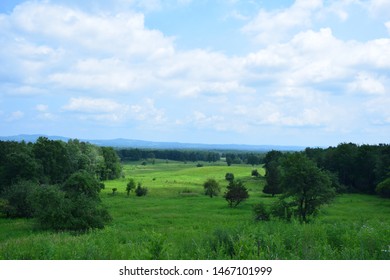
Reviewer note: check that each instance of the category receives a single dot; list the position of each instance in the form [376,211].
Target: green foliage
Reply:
[261,212]
[236,193]
[273,178]
[305,185]
[112,168]
[354,227]
[211,187]
[84,183]
[55,210]
[229,176]
[130,186]
[74,206]
[54,158]
[18,199]
[383,188]
[358,168]
[282,210]
[140,191]
[255,173]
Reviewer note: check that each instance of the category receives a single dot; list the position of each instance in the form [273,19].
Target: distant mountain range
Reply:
[131,143]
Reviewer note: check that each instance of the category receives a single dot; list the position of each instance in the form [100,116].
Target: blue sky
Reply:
[311,73]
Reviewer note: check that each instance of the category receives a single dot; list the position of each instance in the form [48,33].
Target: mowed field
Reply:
[175,220]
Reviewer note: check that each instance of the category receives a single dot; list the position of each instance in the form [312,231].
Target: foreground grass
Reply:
[176,221]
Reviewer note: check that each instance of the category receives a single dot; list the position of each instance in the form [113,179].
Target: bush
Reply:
[54,209]
[211,188]
[255,173]
[18,200]
[74,206]
[130,186]
[229,177]
[261,213]
[383,188]
[282,210]
[141,191]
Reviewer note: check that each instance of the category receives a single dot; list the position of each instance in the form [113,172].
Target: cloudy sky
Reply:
[304,72]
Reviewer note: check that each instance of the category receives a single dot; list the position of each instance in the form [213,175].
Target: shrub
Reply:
[211,188]
[18,200]
[255,173]
[261,212]
[130,186]
[282,210]
[74,206]
[54,209]
[229,177]
[141,191]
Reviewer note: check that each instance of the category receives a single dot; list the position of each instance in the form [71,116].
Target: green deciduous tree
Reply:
[18,198]
[305,185]
[211,188]
[235,193]
[229,176]
[273,180]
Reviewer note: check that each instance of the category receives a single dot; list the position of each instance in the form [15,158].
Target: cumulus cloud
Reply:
[109,67]
[274,26]
[366,83]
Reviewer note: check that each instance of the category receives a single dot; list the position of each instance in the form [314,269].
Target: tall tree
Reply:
[307,186]
[272,177]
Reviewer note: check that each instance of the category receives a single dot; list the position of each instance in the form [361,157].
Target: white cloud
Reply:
[15,116]
[302,76]
[147,112]
[41,107]
[270,27]
[103,109]
[368,84]
[94,105]
[379,7]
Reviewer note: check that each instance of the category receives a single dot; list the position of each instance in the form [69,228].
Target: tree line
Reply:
[56,182]
[131,154]
[135,154]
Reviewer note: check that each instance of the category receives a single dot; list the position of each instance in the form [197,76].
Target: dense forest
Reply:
[56,182]
[231,157]
[350,167]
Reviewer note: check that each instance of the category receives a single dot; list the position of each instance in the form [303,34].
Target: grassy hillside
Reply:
[177,221]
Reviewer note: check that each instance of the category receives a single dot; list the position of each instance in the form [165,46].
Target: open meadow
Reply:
[175,220]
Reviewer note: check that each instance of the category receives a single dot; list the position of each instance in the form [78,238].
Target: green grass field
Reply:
[177,221]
